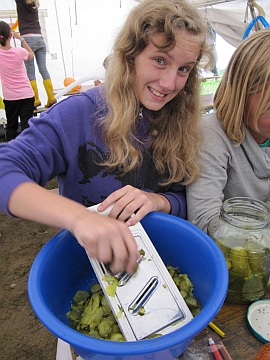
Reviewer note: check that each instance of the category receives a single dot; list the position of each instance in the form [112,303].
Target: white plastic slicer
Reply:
[150,288]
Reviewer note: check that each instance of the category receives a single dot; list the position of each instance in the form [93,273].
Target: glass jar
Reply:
[242,232]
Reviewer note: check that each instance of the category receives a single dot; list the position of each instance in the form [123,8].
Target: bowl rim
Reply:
[79,340]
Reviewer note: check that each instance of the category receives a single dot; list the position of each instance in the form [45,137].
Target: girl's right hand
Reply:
[106,239]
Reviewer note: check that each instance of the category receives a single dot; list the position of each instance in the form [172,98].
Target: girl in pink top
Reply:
[17,91]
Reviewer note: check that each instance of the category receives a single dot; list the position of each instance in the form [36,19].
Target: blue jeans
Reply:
[38,46]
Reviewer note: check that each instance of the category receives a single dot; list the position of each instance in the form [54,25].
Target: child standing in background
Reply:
[30,29]
[17,91]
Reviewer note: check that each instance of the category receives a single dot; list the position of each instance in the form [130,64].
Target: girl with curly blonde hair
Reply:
[130,144]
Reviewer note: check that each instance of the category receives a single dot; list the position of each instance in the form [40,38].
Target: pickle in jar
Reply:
[238,258]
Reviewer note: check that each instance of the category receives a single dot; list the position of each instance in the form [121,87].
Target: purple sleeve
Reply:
[24,159]
[177,198]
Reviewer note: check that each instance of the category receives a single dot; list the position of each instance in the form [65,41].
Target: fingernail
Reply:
[100,207]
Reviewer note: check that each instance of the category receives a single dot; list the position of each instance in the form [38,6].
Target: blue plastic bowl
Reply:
[62,267]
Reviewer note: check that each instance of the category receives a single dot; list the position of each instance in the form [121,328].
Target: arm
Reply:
[25,45]
[39,154]
[102,237]
[205,196]
[130,200]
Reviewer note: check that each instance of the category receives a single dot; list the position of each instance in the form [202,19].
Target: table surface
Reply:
[238,340]
[240,343]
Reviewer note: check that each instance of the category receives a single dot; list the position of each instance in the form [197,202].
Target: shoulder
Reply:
[92,97]
[211,121]
[21,52]
[215,138]
[95,94]
[211,126]
[88,104]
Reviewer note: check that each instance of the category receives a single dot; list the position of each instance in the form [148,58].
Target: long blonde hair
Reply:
[247,73]
[174,128]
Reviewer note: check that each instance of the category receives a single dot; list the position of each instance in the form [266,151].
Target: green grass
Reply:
[209,86]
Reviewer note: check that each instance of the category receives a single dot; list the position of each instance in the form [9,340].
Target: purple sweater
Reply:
[65,142]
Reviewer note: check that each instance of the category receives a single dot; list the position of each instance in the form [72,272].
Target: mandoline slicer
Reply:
[150,289]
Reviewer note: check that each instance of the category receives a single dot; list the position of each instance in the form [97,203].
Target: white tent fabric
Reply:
[229,18]
[79,33]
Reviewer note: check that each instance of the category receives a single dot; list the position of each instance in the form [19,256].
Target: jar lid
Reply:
[258,319]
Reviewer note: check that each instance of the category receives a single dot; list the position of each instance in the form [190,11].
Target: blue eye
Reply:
[183,69]
[159,61]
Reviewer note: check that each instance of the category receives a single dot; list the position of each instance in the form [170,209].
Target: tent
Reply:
[230,18]
[72,25]
[79,33]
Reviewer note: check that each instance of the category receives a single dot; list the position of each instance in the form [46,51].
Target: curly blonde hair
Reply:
[247,73]
[174,128]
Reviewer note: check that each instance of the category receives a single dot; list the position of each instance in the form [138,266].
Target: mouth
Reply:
[155,92]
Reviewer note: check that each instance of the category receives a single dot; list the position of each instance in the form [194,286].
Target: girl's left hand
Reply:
[130,200]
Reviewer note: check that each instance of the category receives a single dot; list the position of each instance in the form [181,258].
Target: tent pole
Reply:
[60,39]
[252,12]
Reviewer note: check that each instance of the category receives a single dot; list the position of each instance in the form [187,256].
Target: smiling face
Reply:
[261,132]
[160,75]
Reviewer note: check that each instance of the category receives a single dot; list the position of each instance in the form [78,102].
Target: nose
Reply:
[168,80]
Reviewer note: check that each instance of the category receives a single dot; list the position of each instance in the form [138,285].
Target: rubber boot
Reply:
[49,90]
[35,89]
[2,105]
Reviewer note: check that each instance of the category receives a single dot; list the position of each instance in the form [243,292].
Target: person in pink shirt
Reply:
[17,91]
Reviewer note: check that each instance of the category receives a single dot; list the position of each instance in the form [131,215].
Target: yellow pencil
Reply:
[217,329]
